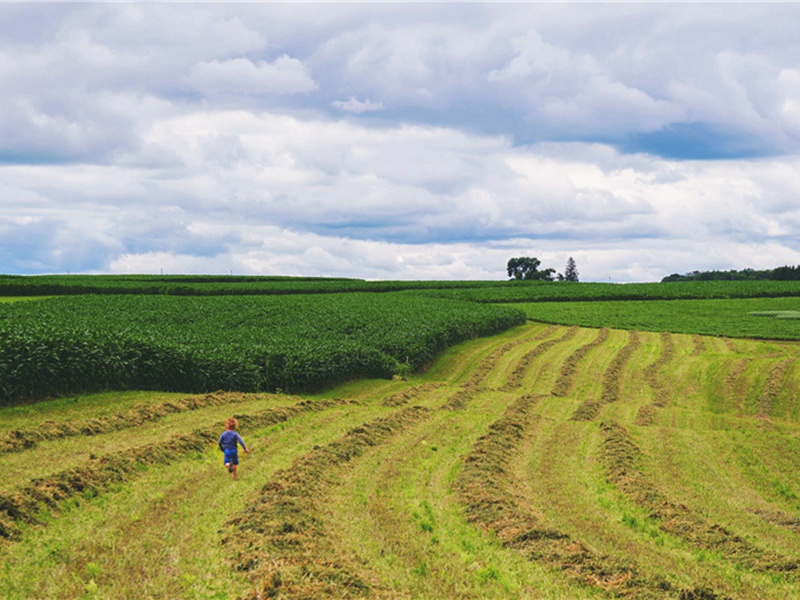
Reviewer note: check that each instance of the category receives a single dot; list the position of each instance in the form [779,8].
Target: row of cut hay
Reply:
[280,539]
[661,391]
[403,397]
[735,382]
[459,399]
[515,380]
[699,345]
[612,380]
[569,370]
[771,388]
[621,457]
[26,504]
[17,440]
[485,485]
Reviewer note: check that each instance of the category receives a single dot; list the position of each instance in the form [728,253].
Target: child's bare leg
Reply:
[233,471]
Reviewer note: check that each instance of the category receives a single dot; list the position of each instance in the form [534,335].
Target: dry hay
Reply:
[661,391]
[20,439]
[403,397]
[459,399]
[26,504]
[515,381]
[771,388]
[612,381]
[569,370]
[486,488]
[622,459]
[280,539]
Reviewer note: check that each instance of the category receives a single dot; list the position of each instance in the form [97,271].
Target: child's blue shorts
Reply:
[231,456]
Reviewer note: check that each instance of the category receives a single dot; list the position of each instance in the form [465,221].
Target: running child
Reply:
[228,444]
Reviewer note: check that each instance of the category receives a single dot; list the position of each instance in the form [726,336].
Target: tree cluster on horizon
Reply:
[527,268]
[785,273]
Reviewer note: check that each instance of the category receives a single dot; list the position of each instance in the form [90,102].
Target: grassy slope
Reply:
[708,429]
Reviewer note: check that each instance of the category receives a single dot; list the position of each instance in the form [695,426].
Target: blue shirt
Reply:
[229,439]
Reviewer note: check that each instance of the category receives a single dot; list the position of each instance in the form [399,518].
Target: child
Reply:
[227,443]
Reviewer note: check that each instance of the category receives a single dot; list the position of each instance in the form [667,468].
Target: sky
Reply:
[399,140]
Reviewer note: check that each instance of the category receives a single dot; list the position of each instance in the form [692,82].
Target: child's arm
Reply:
[241,441]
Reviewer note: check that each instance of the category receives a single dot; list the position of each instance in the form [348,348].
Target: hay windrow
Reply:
[403,397]
[771,388]
[280,540]
[622,457]
[612,381]
[699,345]
[459,399]
[486,487]
[515,381]
[661,391]
[735,382]
[97,476]
[569,370]
[21,439]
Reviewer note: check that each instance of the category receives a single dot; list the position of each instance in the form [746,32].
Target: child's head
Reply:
[231,423]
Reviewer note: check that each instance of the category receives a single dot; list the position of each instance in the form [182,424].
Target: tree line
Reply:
[785,273]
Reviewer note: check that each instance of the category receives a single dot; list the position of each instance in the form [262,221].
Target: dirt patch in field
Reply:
[280,538]
[612,381]
[486,487]
[403,397]
[515,380]
[622,459]
[569,370]
[22,439]
[97,476]
[652,374]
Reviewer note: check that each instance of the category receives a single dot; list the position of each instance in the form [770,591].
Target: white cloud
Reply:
[353,105]
[189,134]
[284,75]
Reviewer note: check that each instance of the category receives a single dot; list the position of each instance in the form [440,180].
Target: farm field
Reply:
[765,318]
[546,461]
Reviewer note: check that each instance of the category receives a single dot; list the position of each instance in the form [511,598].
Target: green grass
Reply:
[718,317]
[406,514]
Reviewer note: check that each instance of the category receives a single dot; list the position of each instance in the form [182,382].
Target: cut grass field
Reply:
[546,462]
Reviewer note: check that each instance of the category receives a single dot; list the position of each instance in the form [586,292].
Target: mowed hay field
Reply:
[545,462]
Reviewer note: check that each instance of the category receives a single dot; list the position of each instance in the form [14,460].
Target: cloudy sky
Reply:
[399,141]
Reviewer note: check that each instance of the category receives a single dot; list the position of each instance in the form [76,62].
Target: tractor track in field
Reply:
[621,457]
[487,488]
[515,380]
[280,539]
[612,381]
[18,440]
[569,370]
[661,391]
[25,504]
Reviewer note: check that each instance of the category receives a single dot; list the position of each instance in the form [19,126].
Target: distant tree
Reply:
[526,267]
[781,273]
[571,271]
